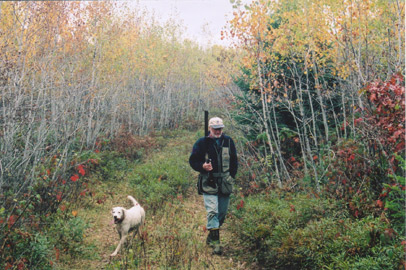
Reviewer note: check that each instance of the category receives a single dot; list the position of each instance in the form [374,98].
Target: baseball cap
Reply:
[216,122]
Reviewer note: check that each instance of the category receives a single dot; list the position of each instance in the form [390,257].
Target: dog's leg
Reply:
[122,240]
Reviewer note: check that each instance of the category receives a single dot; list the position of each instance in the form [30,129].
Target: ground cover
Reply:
[174,235]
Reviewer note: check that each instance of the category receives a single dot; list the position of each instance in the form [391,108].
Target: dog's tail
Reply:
[131,198]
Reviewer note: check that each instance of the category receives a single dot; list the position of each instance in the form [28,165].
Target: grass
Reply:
[174,235]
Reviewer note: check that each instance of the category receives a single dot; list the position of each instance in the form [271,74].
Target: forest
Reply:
[99,101]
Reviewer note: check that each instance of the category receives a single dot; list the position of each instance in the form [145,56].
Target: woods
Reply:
[84,72]
[322,85]
[314,91]
[307,69]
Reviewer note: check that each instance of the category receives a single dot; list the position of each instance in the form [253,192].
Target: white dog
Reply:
[127,220]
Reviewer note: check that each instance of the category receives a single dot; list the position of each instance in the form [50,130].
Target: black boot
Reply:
[213,236]
[213,239]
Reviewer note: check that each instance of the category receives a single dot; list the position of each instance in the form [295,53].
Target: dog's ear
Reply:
[123,217]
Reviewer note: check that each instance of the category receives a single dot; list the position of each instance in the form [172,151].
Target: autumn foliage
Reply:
[322,106]
[77,78]
[386,116]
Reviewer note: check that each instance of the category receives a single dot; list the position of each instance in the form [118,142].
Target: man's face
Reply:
[216,132]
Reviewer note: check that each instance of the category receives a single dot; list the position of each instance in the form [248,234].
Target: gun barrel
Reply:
[206,123]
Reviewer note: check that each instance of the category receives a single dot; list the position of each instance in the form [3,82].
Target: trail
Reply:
[174,236]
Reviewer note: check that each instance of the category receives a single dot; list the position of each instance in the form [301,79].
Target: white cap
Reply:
[216,122]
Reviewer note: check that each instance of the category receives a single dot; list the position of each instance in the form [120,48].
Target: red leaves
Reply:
[59,196]
[356,121]
[388,113]
[57,253]
[11,220]
[372,97]
[397,133]
[93,161]
[347,154]
[74,177]
[81,170]
[379,203]
[240,205]
[294,162]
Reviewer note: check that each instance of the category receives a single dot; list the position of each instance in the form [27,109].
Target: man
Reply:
[215,157]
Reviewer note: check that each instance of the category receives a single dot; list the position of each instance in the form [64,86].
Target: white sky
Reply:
[203,19]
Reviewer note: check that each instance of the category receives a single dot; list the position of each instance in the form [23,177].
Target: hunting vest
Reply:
[218,182]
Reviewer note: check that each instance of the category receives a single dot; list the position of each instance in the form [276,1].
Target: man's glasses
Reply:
[217,129]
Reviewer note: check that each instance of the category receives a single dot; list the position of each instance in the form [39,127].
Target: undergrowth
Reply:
[300,231]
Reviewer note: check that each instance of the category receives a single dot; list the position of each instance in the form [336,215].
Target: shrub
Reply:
[113,165]
[26,251]
[68,234]
[164,177]
[301,232]
[394,197]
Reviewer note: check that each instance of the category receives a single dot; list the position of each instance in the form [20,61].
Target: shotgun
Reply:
[206,123]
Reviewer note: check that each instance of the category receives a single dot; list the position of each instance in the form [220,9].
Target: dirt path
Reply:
[187,216]
[174,236]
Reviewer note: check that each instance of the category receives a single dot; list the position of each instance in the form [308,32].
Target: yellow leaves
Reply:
[317,31]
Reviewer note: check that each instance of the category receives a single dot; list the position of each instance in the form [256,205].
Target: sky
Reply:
[203,19]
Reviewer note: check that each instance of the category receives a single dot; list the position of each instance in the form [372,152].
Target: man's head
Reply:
[216,127]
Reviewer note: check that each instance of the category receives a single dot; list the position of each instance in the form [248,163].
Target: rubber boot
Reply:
[215,243]
[212,237]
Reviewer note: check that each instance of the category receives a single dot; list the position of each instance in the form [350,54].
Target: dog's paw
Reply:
[113,254]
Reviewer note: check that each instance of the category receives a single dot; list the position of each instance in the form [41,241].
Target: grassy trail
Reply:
[174,236]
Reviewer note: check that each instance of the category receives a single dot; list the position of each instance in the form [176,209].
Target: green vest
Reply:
[221,182]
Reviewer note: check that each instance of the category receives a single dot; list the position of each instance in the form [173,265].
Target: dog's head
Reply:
[118,214]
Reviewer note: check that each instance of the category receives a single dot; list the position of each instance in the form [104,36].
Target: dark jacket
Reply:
[207,144]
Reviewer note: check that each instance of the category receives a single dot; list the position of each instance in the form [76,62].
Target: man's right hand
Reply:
[207,166]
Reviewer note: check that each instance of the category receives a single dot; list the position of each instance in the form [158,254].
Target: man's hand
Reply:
[207,166]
